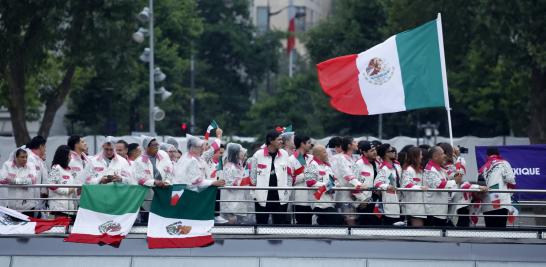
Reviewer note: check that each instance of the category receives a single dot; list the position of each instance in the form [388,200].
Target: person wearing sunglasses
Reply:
[387,179]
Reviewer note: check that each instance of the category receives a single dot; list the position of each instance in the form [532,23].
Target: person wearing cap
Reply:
[297,163]
[19,171]
[108,167]
[153,167]
[36,149]
[191,169]
[78,158]
[269,168]
[365,171]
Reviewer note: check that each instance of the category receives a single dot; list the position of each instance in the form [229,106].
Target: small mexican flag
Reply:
[15,223]
[213,125]
[106,213]
[185,224]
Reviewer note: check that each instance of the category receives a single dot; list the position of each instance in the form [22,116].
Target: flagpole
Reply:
[444,74]
[290,16]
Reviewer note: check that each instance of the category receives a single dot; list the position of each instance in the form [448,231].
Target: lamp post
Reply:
[155,73]
[151,69]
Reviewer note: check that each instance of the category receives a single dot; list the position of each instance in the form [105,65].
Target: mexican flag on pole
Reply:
[405,72]
[213,125]
[106,213]
[15,223]
[181,218]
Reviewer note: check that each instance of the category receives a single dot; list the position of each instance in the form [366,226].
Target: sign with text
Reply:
[528,163]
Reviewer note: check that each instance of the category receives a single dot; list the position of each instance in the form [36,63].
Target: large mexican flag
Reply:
[106,213]
[407,71]
[181,218]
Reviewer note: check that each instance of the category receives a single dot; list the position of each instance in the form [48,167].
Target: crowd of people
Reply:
[386,187]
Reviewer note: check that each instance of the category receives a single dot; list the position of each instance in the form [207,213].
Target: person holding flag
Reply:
[319,174]
[213,125]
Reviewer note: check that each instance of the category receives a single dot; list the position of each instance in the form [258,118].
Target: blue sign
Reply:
[528,163]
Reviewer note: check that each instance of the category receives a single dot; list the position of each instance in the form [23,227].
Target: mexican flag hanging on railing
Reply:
[15,223]
[106,213]
[181,218]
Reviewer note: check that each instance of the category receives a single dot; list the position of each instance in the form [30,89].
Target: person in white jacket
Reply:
[388,179]
[498,174]
[235,175]
[78,158]
[365,173]
[412,178]
[36,149]
[18,171]
[108,167]
[61,174]
[319,175]
[435,177]
[343,167]
[191,169]
[269,168]
[297,163]
[153,167]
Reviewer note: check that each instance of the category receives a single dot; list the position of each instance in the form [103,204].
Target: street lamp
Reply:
[155,73]
[139,35]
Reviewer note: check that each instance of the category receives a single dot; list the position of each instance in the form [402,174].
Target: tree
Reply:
[232,61]
[64,35]
[115,100]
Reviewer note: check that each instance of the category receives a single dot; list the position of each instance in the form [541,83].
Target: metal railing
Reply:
[292,213]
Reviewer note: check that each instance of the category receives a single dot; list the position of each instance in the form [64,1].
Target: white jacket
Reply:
[98,167]
[144,170]
[436,178]
[41,170]
[388,175]
[260,171]
[192,170]
[77,166]
[26,175]
[343,167]
[296,167]
[498,175]
[413,179]
[59,175]
[364,174]
[234,174]
[318,174]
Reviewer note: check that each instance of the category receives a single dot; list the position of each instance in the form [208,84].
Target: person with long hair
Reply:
[18,171]
[412,177]
[235,175]
[61,173]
